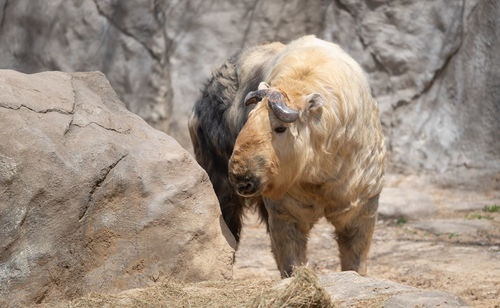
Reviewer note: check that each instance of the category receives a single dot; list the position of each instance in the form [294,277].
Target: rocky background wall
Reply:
[433,65]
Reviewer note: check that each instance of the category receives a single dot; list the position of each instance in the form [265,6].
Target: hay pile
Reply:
[302,290]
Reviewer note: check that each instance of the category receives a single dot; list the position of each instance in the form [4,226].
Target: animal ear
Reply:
[263,86]
[315,102]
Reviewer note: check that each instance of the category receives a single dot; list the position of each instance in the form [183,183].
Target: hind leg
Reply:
[354,237]
[215,161]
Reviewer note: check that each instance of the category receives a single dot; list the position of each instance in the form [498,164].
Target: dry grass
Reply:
[302,290]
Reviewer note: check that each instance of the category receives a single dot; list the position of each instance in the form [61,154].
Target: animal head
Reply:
[273,147]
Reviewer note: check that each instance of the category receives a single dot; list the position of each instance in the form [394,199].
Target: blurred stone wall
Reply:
[433,65]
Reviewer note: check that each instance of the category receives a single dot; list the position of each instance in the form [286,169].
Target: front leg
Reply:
[289,226]
[354,236]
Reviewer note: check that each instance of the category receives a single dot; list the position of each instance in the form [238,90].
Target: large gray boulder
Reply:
[94,199]
[433,65]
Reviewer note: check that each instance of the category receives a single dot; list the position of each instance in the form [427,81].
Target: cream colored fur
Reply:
[330,162]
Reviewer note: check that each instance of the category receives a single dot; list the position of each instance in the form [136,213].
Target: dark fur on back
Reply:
[213,132]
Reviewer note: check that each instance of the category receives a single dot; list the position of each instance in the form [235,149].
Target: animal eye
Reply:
[280,129]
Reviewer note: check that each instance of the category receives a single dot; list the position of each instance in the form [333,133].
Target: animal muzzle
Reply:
[245,185]
[243,180]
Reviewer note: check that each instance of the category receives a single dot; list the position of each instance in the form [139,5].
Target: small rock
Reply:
[349,285]
[405,202]
[425,299]
[350,290]
[451,226]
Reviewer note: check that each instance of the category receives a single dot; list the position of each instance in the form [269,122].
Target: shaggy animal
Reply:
[295,130]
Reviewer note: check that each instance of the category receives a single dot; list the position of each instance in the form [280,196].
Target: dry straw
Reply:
[302,290]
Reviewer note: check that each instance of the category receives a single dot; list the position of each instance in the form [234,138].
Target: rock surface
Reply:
[348,289]
[94,199]
[454,226]
[433,65]
[425,299]
[406,203]
[124,40]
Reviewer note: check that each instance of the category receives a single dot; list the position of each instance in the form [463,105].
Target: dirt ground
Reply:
[465,261]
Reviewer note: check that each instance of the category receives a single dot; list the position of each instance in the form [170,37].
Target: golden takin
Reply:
[294,129]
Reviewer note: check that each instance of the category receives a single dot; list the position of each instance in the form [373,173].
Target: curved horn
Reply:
[277,104]
[255,96]
[263,85]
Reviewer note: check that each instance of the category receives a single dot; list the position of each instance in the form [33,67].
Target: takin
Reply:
[294,130]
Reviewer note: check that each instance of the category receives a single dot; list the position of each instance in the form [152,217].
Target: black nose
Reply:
[245,187]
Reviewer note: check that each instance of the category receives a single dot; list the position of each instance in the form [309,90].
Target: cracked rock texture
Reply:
[126,41]
[433,65]
[94,199]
